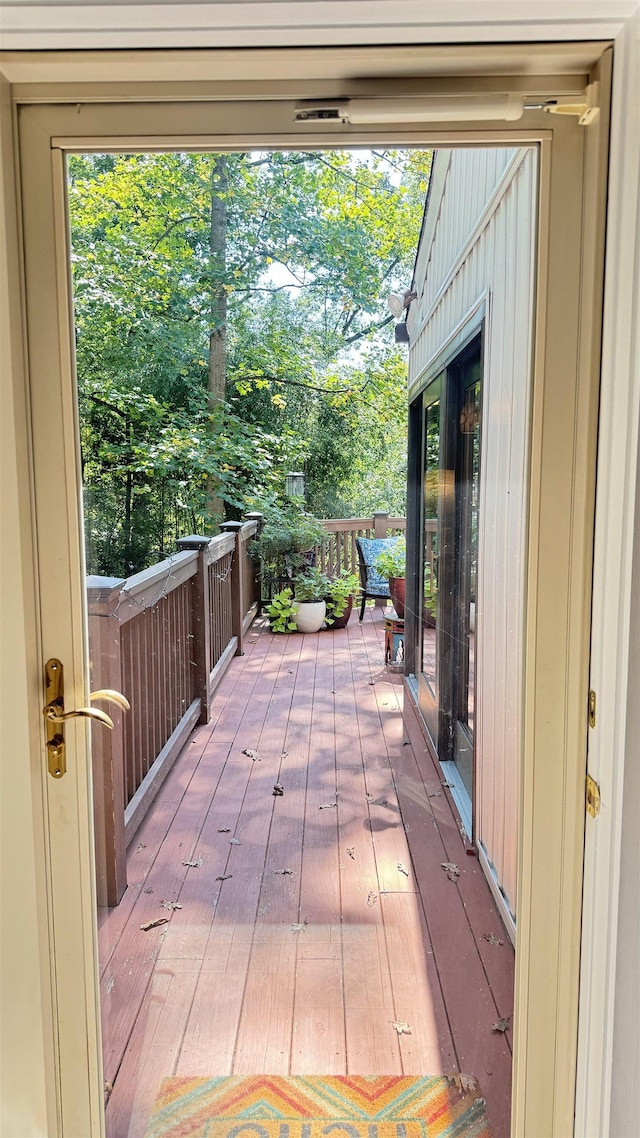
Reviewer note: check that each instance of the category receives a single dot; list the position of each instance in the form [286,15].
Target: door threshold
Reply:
[460,796]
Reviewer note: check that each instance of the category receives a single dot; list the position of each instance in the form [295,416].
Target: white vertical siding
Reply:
[483,241]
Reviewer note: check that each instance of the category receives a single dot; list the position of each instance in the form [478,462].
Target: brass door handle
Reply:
[54,713]
[112,696]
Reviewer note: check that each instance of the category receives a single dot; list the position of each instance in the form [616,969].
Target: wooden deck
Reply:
[309,922]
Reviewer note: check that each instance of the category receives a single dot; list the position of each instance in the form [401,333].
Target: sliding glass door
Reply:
[449,522]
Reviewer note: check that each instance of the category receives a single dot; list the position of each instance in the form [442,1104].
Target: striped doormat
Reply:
[265,1106]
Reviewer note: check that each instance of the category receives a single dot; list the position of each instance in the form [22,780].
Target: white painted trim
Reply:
[612,605]
[503,908]
[220,23]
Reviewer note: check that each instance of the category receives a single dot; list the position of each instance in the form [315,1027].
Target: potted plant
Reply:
[340,598]
[310,609]
[287,541]
[281,611]
[391,563]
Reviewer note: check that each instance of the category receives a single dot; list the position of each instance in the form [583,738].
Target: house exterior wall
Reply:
[478,238]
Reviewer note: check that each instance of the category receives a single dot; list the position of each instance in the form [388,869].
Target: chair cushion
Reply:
[370,547]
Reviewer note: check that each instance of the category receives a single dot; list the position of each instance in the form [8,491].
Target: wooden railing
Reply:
[340,551]
[164,638]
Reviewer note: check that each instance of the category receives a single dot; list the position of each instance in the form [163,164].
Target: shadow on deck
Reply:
[306,924]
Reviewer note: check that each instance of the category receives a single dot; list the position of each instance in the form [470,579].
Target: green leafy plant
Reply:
[392,561]
[289,533]
[311,585]
[281,611]
[342,587]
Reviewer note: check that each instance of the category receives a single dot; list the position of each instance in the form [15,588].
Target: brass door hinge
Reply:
[592,708]
[593,797]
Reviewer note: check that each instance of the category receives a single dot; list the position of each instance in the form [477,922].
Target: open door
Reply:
[563,455]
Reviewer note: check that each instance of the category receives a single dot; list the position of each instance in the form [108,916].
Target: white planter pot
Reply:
[309,615]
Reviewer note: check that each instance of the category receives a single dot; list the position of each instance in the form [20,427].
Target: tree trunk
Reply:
[218,332]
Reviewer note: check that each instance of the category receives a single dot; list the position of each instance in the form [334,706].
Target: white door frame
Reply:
[623,386]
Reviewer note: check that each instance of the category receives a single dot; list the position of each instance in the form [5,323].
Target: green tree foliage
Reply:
[231,324]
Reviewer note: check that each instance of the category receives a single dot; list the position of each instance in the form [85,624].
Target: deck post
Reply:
[380,518]
[380,526]
[237,585]
[256,516]
[107,747]
[201,648]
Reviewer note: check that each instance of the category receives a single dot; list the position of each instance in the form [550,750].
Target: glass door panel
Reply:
[451,425]
[467,496]
[430,544]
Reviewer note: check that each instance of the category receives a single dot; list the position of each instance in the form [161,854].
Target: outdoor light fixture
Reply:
[437,108]
[294,486]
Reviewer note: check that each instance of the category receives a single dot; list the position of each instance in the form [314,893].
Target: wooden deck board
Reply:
[228,986]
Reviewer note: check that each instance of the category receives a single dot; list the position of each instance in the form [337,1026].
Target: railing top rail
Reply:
[218,546]
[143,590]
[339,525]
[248,530]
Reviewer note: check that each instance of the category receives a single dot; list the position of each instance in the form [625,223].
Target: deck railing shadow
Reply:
[165,638]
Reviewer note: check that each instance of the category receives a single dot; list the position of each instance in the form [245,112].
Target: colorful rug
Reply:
[265,1106]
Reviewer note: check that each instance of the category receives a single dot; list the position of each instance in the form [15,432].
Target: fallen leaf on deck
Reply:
[235,842]
[351,850]
[451,870]
[225,830]
[401,869]
[368,796]
[299,928]
[141,846]
[194,864]
[252,754]
[154,924]
[501,1024]
[327,805]
[148,891]
[449,784]
[434,794]
[406,742]
[171,905]
[401,1027]
[491,939]
[290,671]
[108,1087]
[224,877]
[289,872]
[371,683]
[277,791]
[371,898]
[464,1084]
[284,754]
[382,802]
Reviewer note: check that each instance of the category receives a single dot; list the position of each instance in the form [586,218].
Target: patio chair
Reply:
[372,584]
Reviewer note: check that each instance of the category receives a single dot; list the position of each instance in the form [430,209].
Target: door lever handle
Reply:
[111,696]
[54,713]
